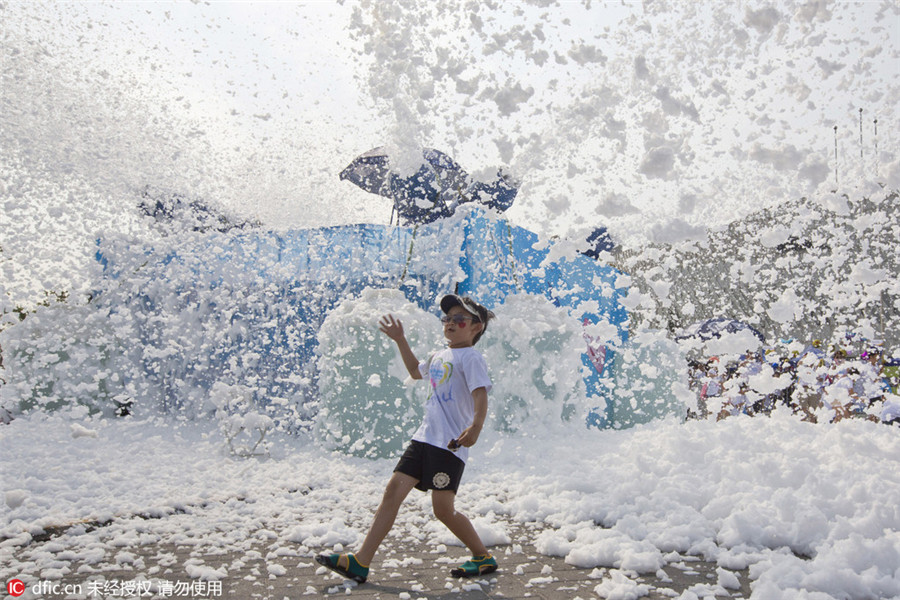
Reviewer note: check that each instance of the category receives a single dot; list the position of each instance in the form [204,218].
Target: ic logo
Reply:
[15,587]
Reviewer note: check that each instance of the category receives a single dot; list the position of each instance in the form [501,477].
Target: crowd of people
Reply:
[819,384]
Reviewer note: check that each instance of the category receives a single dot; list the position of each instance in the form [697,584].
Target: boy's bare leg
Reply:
[394,494]
[457,523]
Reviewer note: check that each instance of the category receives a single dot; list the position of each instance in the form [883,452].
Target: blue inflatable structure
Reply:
[247,305]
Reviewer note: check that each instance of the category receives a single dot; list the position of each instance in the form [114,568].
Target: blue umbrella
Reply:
[424,196]
[499,194]
[433,191]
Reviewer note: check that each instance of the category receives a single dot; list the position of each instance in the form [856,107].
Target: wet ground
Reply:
[54,565]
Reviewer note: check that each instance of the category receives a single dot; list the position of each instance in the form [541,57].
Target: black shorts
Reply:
[435,468]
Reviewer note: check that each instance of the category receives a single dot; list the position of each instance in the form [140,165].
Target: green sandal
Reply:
[477,565]
[344,564]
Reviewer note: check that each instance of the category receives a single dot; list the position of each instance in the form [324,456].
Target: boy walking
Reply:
[436,456]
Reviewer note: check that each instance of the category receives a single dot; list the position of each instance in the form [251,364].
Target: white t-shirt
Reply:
[453,374]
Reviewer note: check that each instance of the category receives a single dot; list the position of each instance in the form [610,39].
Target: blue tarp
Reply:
[292,280]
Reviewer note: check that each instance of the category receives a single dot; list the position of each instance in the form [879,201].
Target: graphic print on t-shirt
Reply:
[440,373]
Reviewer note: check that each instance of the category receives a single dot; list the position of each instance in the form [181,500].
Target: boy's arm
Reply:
[470,434]
[409,359]
[394,329]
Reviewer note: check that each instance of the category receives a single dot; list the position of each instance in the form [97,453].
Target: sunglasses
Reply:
[458,320]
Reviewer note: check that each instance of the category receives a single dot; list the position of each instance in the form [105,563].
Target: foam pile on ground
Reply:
[803,506]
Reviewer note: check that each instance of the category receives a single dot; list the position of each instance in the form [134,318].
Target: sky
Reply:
[657,119]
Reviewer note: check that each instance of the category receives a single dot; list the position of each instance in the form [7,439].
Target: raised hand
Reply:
[391,327]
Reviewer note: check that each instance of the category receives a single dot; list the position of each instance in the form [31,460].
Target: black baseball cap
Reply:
[470,306]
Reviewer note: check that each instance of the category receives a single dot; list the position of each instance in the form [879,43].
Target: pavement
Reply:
[273,569]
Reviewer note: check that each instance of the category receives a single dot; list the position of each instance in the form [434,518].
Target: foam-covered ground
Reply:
[810,509]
